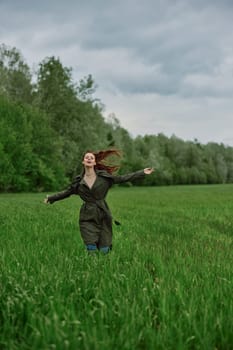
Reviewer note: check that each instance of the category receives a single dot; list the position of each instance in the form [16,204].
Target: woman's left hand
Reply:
[148,171]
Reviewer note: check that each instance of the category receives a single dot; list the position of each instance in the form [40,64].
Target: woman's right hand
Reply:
[148,171]
[46,200]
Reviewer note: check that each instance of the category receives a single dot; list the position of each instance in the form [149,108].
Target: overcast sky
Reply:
[161,66]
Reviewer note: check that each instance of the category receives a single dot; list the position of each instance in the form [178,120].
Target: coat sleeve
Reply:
[72,189]
[118,179]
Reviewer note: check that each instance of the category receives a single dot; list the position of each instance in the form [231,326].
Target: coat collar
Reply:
[103,173]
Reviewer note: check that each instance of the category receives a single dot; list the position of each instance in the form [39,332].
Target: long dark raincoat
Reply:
[95,219]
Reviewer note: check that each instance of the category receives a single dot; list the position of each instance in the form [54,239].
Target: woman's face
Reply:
[89,160]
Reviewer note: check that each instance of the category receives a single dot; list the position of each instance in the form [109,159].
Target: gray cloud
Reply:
[160,50]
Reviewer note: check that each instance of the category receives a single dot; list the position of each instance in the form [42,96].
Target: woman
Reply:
[95,220]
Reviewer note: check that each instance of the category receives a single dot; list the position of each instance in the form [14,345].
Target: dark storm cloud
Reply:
[168,60]
[180,37]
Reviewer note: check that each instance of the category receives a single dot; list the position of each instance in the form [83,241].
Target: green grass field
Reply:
[167,284]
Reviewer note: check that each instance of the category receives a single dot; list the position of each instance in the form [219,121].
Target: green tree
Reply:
[29,150]
[55,93]
[15,75]
[86,88]
[74,115]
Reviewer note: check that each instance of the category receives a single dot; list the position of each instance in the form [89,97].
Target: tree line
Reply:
[47,122]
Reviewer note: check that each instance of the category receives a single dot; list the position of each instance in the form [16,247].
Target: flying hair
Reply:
[102,163]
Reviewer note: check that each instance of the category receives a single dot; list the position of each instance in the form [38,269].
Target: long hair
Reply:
[102,163]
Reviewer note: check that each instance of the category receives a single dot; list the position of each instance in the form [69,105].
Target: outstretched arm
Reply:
[117,179]
[58,196]
[72,189]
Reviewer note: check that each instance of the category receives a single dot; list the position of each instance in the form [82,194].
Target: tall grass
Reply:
[167,284]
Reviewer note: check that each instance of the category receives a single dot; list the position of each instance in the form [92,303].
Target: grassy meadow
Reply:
[167,284]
